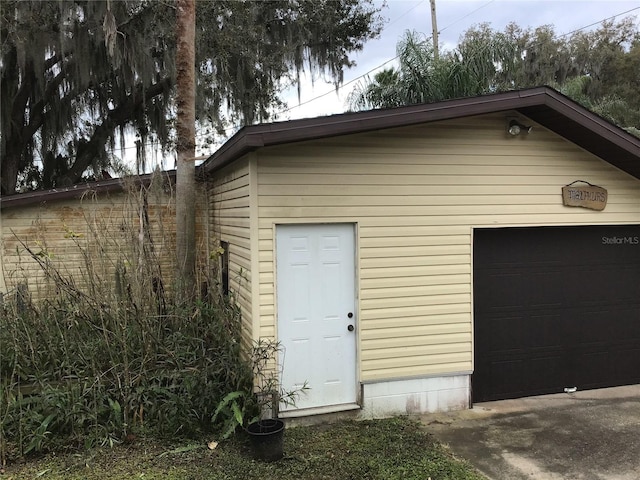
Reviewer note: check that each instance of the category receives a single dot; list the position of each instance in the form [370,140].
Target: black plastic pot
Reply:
[267,439]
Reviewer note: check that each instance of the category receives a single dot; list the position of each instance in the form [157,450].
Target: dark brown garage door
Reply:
[555,308]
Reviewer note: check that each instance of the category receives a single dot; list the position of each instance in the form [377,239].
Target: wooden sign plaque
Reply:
[586,196]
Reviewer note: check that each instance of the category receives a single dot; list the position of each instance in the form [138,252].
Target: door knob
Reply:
[350,328]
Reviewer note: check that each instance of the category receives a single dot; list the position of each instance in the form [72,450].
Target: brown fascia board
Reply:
[536,103]
[590,121]
[76,191]
[252,137]
[587,130]
[624,155]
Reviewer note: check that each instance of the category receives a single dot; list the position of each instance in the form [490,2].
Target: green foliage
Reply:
[598,68]
[421,78]
[241,408]
[97,377]
[232,412]
[107,353]
[78,75]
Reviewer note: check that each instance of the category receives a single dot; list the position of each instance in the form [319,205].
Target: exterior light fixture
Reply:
[516,128]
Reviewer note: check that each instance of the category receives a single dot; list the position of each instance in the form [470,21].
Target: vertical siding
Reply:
[231,222]
[103,226]
[416,193]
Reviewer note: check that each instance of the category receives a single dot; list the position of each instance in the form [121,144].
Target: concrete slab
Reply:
[589,435]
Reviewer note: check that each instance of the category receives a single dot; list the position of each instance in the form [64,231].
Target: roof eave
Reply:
[525,101]
[587,130]
[253,137]
[75,191]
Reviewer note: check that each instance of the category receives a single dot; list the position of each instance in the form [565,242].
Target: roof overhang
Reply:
[78,190]
[543,105]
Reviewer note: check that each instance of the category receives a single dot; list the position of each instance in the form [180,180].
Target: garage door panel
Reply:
[628,355]
[589,368]
[629,323]
[509,286]
[545,288]
[595,285]
[551,365]
[608,326]
[506,377]
[507,335]
[618,280]
[543,331]
[585,326]
[555,307]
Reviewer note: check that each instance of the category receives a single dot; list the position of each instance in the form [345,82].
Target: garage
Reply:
[429,193]
[555,308]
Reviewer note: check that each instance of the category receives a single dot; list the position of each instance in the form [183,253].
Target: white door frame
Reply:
[343,235]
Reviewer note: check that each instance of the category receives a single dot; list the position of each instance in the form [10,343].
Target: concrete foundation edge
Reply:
[416,396]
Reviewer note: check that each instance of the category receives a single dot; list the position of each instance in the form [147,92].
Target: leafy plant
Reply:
[269,392]
[103,354]
[232,412]
[240,408]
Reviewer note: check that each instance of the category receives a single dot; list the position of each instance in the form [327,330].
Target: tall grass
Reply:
[107,354]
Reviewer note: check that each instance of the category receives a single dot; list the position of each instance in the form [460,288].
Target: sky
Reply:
[453,18]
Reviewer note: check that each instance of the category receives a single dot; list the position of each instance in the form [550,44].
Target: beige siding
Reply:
[415,194]
[88,236]
[231,222]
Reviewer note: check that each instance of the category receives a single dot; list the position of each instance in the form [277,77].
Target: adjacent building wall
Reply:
[85,237]
[230,218]
[415,194]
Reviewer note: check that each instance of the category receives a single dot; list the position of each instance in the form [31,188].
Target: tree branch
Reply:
[119,116]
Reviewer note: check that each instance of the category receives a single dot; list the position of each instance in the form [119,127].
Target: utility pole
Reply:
[434,29]
[185,130]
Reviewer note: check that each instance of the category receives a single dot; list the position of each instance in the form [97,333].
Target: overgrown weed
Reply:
[106,353]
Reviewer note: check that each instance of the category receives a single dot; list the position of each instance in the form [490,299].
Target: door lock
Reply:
[350,314]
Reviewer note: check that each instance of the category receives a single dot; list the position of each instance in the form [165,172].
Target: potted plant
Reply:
[257,411]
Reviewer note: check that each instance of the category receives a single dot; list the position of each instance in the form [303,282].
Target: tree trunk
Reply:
[185,128]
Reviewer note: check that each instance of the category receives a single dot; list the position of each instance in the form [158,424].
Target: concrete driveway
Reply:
[590,435]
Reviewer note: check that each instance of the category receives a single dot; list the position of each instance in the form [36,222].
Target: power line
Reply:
[407,12]
[288,109]
[361,76]
[394,58]
[467,15]
[341,86]
[236,127]
[603,20]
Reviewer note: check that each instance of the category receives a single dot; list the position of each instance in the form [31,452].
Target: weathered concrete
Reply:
[590,435]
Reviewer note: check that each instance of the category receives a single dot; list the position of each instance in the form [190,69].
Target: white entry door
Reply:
[316,312]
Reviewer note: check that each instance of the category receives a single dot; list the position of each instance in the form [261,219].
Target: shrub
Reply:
[96,377]
[111,355]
